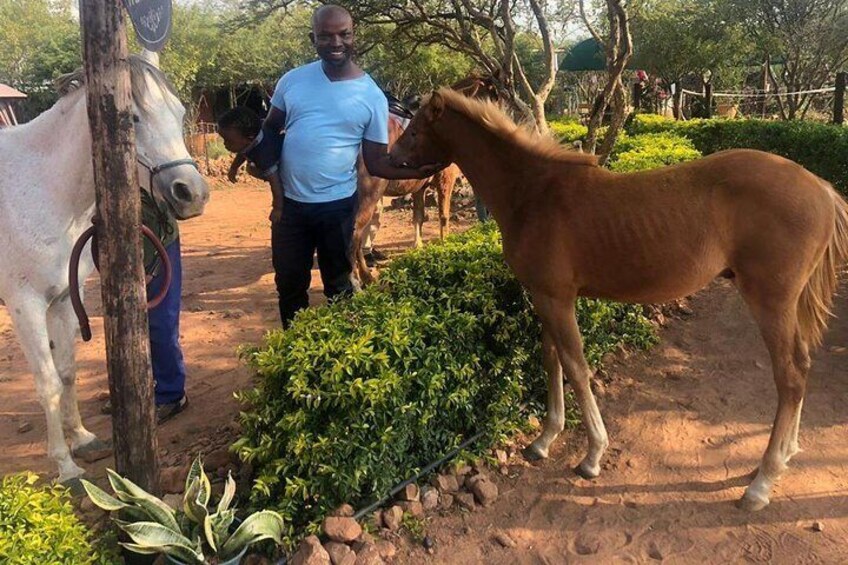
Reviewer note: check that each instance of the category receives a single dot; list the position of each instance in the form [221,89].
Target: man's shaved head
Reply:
[332,35]
[327,12]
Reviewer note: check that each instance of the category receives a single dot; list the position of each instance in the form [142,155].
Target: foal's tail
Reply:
[817,296]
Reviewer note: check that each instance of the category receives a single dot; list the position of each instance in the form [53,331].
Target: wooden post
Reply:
[839,98]
[110,117]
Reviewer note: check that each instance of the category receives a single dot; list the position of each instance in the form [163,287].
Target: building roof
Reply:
[7,91]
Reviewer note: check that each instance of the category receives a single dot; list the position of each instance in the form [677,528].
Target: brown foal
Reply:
[571,228]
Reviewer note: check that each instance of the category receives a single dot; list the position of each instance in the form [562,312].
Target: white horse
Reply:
[46,202]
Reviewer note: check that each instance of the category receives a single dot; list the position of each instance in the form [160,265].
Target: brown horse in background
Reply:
[371,189]
[571,228]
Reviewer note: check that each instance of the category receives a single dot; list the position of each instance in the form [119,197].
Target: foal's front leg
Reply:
[559,318]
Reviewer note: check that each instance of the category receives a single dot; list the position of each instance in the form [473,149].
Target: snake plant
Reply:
[196,534]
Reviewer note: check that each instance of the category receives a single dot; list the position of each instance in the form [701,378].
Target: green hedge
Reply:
[821,148]
[567,131]
[651,150]
[38,526]
[357,395]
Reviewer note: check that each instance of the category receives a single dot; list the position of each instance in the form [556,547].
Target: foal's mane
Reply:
[71,82]
[491,116]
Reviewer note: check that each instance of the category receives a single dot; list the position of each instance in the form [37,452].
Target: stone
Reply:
[818,526]
[462,470]
[587,544]
[175,501]
[428,543]
[485,492]
[311,552]
[172,479]
[387,549]
[410,493]
[340,554]
[501,456]
[368,554]
[25,427]
[343,529]
[413,508]
[445,483]
[392,518]
[430,499]
[343,511]
[471,480]
[503,539]
[446,501]
[465,500]
[218,458]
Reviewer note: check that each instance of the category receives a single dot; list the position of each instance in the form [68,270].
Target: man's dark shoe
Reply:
[165,412]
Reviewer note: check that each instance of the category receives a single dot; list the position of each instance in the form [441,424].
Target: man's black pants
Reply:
[304,228]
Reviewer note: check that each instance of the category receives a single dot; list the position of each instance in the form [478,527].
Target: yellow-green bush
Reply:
[356,396]
[38,526]
[651,150]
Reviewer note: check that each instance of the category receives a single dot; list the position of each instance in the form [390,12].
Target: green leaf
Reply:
[196,473]
[100,498]
[153,535]
[229,493]
[209,533]
[259,526]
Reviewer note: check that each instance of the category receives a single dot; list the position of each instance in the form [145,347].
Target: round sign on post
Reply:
[152,22]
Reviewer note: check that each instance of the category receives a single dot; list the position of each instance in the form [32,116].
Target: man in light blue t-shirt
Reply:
[330,109]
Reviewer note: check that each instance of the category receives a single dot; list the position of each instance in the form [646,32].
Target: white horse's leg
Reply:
[62,328]
[555,416]
[418,213]
[29,315]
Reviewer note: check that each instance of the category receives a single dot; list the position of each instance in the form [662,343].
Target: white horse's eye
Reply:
[136,119]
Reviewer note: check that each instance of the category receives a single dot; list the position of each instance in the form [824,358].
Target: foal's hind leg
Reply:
[29,314]
[790,364]
[62,328]
[560,319]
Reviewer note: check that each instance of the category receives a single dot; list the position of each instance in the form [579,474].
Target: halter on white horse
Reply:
[47,201]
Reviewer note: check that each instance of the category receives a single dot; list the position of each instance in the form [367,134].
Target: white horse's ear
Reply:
[151,57]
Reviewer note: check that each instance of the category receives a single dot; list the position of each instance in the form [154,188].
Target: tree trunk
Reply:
[839,98]
[677,101]
[110,115]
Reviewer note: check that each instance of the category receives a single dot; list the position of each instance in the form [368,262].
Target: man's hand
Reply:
[376,157]
[429,170]
[276,215]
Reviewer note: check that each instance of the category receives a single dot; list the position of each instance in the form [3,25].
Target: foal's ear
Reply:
[435,107]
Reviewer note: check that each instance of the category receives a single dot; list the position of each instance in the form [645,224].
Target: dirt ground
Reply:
[688,422]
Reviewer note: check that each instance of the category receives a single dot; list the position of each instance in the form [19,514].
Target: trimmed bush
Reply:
[651,150]
[38,526]
[821,148]
[567,131]
[356,396]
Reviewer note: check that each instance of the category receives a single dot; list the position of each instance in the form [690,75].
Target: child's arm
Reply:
[277,194]
[232,174]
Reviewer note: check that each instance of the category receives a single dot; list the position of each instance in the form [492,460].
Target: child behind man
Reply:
[243,134]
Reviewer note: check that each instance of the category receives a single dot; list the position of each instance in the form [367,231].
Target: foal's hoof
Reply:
[586,471]
[534,453]
[751,502]
[94,450]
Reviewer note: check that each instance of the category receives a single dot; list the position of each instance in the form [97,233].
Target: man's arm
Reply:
[376,157]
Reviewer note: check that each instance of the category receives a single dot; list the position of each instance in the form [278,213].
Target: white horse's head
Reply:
[166,168]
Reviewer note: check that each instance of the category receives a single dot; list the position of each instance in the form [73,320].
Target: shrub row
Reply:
[356,396]
[651,150]
[821,148]
[38,526]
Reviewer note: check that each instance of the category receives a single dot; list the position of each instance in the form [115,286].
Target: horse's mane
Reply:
[493,118]
[71,82]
